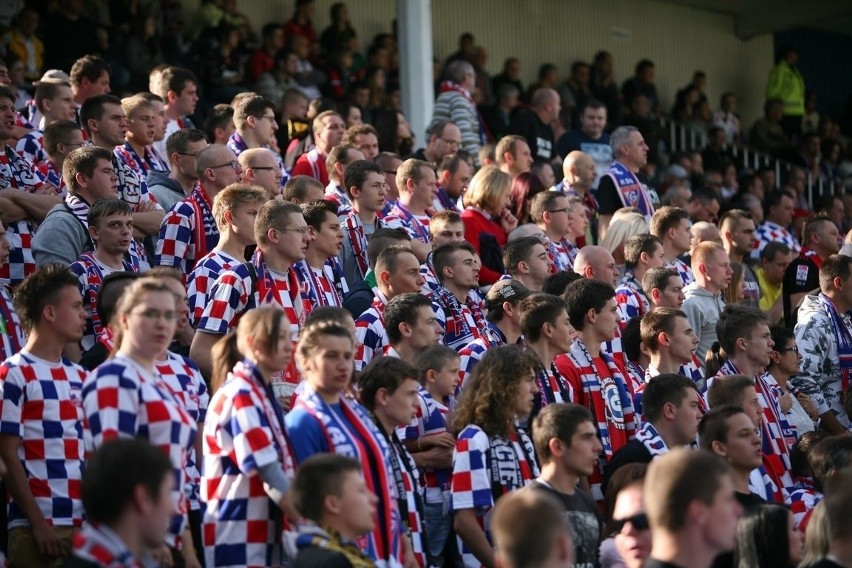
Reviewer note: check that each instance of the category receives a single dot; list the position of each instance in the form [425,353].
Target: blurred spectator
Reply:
[605,89]
[589,137]
[498,116]
[698,83]
[339,33]
[727,118]
[768,134]
[302,25]
[455,104]
[222,71]
[22,41]
[308,77]
[524,187]
[351,113]
[484,95]
[394,132]
[264,58]
[575,93]
[340,77]
[786,84]
[810,120]
[68,35]
[16,70]
[142,50]
[511,75]
[548,78]
[535,124]
[273,83]
[467,47]
[642,83]
[639,115]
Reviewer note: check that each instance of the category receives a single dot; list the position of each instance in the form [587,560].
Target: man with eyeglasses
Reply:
[261,168]
[189,230]
[444,139]
[254,119]
[552,213]
[566,442]
[170,187]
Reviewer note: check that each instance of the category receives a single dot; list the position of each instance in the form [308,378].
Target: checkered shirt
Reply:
[31,147]
[102,547]
[337,195]
[324,286]
[242,434]
[42,405]
[769,232]
[184,379]
[370,333]
[630,298]
[417,226]
[19,173]
[562,254]
[12,337]
[430,419]
[201,279]
[123,400]
[473,485]
[188,232]
[473,352]
[91,273]
[684,270]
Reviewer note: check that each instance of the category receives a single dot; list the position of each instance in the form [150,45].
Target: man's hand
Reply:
[146,206]
[442,440]
[49,544]
[508,221]
[785,401]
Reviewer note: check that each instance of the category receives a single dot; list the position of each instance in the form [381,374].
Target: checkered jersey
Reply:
[90,273]
[324,286]
[430,279]
[630,298]
[30,146]
[684,270]
[769,232]
[474,485]
[242,434]
[102,547]
[42,405]
[198,284]
[123,400]
[188,232]
[337,195]
[470,355]
[430,419]
[370,333]
[133,190]
[18,173]
[12,337]
[802,502]
[417,226]
[184,379]
[53,177]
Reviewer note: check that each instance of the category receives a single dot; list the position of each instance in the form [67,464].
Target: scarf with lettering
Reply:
[651,439]
[630,189]
[457,325]
[313,536]
[843,336]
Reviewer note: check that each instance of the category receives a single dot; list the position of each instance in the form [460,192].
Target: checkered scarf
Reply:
[102,547]
[457,325]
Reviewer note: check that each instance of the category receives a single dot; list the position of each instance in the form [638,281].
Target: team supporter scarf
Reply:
[607,397]
[449,86]
[323,289]
[552,387]
[315,537]
[812,255]
[629,189]
[512,462]
[652,372]
[629,280]
[453,310]
[446,201]
[270,290]
[651,439]
[843,336]
[101,546]
[562,254]
[206,233]
[774,426]
[357,437]
[358,239]
[411,221]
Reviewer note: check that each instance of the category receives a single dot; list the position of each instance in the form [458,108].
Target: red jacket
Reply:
[487,237]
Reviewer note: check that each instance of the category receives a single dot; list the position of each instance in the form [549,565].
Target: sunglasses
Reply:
[639,522]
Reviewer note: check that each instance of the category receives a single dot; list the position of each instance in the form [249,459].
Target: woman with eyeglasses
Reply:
[785,363]
[126,397]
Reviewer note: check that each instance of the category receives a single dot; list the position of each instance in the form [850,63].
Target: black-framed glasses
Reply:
[639,522]
[233,164]
[794,349]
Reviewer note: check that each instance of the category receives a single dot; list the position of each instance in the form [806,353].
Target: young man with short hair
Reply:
[41,421]
[55,102]
[328,129]
[365,186]
[126,493]
[736,227]
[415,182]
[547,332]
[336,162]
[641,253]
[513,155]
[411,326]
[454,173]
[598,381]
[179,90]
[397,272]
[671,225]
[60,138]
[779,207]
[526,260]
[444,227]
[567,445]
[136,151]
[458,310]
[365,138]
[302,189]
[169,187]
[729,432]
[235,209]
[663,287]
[320,272]
[553,214]
[388,389]
[111,230]
[670,343]
[362,292]
[693,514]
[704,301]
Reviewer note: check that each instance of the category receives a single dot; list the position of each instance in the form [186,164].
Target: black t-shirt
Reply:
[538,135]
[316,557]
[749,500]
[584,523]
[802,276]
[633,451]
[653,563]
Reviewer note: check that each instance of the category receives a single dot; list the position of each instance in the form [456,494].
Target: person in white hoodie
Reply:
[824,337]
[704,302]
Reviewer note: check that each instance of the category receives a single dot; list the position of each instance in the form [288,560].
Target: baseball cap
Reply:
[508,290]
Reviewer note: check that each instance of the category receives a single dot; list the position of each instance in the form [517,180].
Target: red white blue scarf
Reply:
[843,336]
[630,189]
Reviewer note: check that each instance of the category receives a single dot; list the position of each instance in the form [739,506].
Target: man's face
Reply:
[293,238]
[187,99]
[606,321]
[332,132]
[687,417]
[522,159]
[457,182]
[159,120]
[371,195]
[672,295]
[718,269]
[657,259]
[828,237]
[682,236]
[243,217]
[62,106]
[426,329]
[266,172]
[560,217]
[69,315]
[633,544]
[682,341]
[448,233]
[159,513]
[773,270]
[265,126]
[580,459]
[782,214]
[401,405]
[368,144]
[356,504]
[424,191]
[186,160]
[593,121]
[445,144]
[604,268]
[585,172]
[93,88]
[635,150]
[406,278]
[141,128]
[742,443]
[103,183]
[742,238]
[465,271]
[329,238]
[539,264]
[707,212]
[563,333]
[721,527]
[228,171]
[759,346]
[113,234]
[7,118]
[112,127]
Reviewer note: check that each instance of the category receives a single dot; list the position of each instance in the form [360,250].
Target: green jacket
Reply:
[786,83]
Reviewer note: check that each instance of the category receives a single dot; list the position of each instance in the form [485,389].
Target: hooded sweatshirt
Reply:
[702,310]
[165,190]
[820,376]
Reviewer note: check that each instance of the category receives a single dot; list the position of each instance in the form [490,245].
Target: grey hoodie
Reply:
[702,309]
[165,190]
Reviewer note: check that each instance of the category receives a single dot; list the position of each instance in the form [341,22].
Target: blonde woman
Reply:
[624,224]
[488,220]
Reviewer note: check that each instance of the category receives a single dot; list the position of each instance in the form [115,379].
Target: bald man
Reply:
[702,232]
[527,230]
[261,168]
[534,124]
[594,262]
[579,174]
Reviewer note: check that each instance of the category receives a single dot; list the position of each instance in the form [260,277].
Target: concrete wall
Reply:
[678,39]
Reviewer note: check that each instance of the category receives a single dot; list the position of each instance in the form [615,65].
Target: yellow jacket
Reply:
[786,83]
